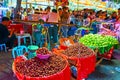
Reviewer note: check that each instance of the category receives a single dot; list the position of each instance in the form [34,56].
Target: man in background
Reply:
[65,20]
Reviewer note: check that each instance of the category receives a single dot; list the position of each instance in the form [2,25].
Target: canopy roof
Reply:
[94,4]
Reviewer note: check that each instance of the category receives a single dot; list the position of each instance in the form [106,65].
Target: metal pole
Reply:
[26,7]
[26,4]
[77,5]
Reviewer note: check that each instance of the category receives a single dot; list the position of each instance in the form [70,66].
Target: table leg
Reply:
[30,40]
[25,40]
[18,41]
[5,48]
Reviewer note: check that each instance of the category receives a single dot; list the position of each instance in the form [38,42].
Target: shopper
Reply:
[72,30]
[118,14]
[5,36]
[53,17]
[60,11]
[8,14]
[114,15]
[72,17]
[86,21]
[12,13]
[45,13]
[64,21]
[37,32]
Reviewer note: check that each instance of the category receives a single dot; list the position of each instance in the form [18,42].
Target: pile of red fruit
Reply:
[78,50]
[43,51]
[36,67]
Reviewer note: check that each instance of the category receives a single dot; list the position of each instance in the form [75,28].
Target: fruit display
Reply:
[36,67]
[82,57]
[97,40]
[77,50]
[101,42]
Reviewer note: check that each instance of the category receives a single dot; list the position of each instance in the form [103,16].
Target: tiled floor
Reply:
[104,71]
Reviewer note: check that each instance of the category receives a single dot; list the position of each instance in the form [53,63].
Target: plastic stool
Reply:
[3,46]
[32,49]
[19,50]
[19,37]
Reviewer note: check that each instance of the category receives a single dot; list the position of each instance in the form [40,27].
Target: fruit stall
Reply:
[68,59]
[81,58]
[102,44]
[45,66]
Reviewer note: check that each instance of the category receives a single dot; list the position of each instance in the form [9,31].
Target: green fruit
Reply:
[97,40]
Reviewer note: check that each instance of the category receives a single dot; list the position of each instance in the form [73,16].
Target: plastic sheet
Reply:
[63,75]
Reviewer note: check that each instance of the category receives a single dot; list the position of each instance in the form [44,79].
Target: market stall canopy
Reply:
[94,4]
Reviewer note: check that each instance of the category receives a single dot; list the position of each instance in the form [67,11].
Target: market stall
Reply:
[45,66]
[103,44]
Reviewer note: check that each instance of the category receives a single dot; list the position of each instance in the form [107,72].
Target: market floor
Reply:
[104,71]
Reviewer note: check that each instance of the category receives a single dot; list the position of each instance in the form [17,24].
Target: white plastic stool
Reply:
[24,36]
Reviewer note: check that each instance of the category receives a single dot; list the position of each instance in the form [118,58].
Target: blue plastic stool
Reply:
[18,51]
[32,49]
[3,46]
[83,32]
